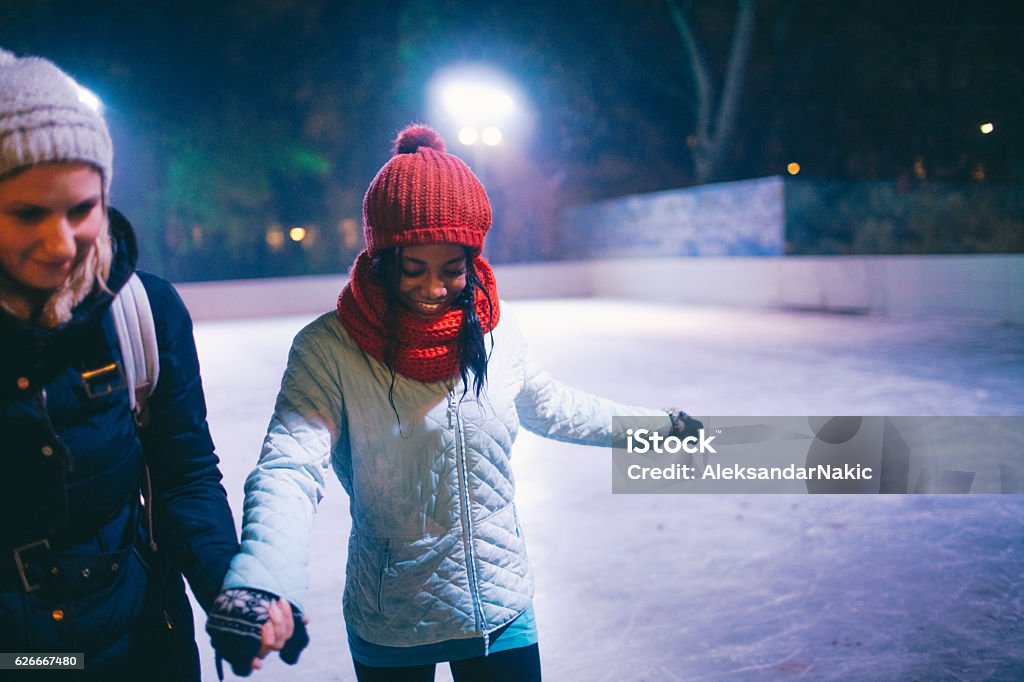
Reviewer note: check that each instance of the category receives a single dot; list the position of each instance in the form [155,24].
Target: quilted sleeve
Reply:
[283,491]
[554,410]
[551,409]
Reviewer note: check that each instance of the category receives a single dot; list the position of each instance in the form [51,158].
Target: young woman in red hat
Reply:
[413,390]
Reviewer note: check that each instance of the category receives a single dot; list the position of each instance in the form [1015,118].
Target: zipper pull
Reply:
[451,407]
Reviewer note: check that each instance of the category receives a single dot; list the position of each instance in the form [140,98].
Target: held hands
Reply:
[245,625]
[278,631]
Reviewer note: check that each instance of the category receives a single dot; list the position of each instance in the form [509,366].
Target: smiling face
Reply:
[50,217]
[431,277]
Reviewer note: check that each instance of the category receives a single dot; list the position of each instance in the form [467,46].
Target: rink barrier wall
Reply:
[989,287]
[735,219]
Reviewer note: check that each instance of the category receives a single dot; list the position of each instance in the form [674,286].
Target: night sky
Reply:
[278,112]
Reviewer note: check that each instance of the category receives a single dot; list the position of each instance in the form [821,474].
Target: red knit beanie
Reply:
[424,195]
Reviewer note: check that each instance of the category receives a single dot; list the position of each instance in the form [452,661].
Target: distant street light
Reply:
[491,136]
[275,239]
[986,128]
[793,168]
[491,116]
[477,100]
[479,103]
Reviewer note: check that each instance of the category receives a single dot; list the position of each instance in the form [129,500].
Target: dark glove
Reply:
[297,642]
[235,626]
[683,425]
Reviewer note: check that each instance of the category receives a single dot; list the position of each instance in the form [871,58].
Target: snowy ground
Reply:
[704,587]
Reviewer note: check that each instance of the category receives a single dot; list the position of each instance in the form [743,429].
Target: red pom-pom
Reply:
[415,136]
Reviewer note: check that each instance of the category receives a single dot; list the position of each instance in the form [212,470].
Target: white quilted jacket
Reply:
[436,551]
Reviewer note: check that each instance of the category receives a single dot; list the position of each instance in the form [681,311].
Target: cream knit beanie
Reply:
[45,116]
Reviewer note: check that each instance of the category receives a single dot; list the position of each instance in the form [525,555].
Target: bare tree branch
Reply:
[714,131]
[732,90]
[698,68]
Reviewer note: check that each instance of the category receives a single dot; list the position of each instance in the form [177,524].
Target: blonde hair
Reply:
[92,271]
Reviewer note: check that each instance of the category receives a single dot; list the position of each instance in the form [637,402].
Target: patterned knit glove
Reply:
[683,425]
[235,626]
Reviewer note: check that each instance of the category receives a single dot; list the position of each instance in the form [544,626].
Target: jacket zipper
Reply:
[463,470]
[385,558]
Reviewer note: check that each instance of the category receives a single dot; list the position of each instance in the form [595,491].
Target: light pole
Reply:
[477,103]
[484,111]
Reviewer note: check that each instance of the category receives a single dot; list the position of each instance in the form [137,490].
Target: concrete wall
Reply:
[983,286]
[989,287]
[242,298]
[742,218]
[774,216]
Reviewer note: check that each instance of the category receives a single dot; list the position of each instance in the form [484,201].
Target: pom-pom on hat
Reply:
[45,118]
[424,195]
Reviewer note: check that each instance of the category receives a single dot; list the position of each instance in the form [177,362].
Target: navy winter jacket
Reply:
[75,562]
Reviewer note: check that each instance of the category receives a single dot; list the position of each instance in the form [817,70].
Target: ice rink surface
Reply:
[712,587]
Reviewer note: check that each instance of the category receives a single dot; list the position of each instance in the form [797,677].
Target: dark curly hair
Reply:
[473,355]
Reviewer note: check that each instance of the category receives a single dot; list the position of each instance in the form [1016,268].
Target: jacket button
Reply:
[47,451]
[23,383]
[57,615]
[86,573]
[114,568]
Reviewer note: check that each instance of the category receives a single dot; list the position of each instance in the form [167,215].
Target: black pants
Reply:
[511,665]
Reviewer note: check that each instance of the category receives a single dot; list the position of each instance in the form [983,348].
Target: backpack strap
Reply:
[140,356]
[136,334]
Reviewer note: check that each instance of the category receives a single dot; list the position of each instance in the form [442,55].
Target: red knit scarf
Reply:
[428,347]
